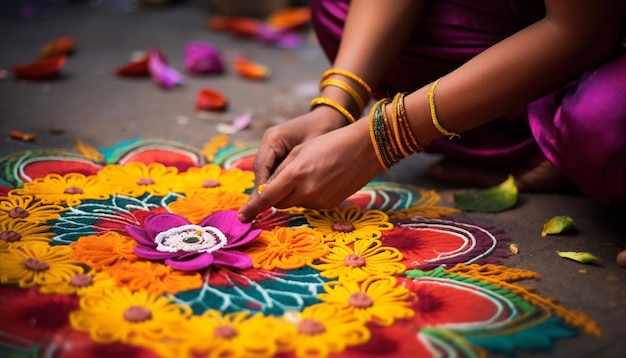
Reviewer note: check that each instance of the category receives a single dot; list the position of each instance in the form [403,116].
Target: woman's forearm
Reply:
[537,60]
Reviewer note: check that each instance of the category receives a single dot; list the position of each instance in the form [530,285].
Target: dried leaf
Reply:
[209,99]
[136,68]
[558,224]
[44,68]
[64,45]
[514,249]
[491,200]
[202,57]
[161,72]
[26,137]
[289,18]
[582,257]
[252,70]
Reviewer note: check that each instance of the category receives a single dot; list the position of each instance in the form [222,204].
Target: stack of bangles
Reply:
[392,139]
[354,94]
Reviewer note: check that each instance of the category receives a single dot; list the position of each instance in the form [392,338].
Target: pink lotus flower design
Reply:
[186,246]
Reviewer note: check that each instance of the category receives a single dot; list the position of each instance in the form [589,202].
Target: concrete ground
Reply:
[89,103]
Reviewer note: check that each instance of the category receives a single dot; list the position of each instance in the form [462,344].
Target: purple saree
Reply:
[579,128]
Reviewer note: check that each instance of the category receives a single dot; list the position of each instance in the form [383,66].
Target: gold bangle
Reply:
[346,87]
[397,129]
[377,150]
[433,112]
[351,76]
[329,102]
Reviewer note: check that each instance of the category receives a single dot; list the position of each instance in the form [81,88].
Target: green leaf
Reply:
[582,257]
[491,200]
[557,225]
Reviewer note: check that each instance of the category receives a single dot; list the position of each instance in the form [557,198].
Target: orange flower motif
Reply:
[202,204]
[154,278]
[102,251]
[286,248]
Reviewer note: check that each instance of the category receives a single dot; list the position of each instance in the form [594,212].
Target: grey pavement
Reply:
[89,103]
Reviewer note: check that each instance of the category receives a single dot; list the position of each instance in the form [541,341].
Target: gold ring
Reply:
[260,188]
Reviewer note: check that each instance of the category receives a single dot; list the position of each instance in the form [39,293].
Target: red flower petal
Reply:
[138,68]
[41,69]
[61,46]
[209,99]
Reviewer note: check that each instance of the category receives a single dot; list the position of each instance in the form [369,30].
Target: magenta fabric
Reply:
[451,32]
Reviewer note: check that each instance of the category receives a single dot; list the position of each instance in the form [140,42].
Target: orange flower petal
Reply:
[44,68]
[26,137]
[209,99]
[138,68]
[252,70]
[219,22]
[61,46]
[289,18]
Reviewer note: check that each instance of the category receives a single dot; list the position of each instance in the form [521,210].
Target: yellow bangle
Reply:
[351,76]
[433,112]
[329,102]
[346,87]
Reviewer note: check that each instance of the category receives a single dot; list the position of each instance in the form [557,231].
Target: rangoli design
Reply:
[136,251]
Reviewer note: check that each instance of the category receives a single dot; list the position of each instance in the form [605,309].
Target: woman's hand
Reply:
[278,141]
[319,173]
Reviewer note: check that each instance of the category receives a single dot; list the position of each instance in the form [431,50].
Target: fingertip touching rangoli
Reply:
[136,251]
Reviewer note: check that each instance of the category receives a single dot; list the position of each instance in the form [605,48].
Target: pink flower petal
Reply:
[199,262]
[157,223]
[202,57]
[140,235]
[244,239]
[279,38]
[148,253]
[228,223]
[162,73]
[234,259]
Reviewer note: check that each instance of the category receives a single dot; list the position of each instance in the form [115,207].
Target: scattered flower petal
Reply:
[289,18]
[161,72]
[557,225]
[64,45]
[136,68]
[40,69]
[202,57]
[252,70]
[514,249]
[491,200]
[279,38]
[209,99]
[582,257]
[26,137]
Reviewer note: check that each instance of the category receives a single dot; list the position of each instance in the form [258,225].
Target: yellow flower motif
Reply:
[17,232]
[368,258]
[133,317]
[347,225]
[320,330]
[231,335]
[104,251]
[378,299]
[37,263]
[26,208]
[82,284]
[202,204]
[136,178]
[212,177]
[154,278]
[70,189]
[286,248]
